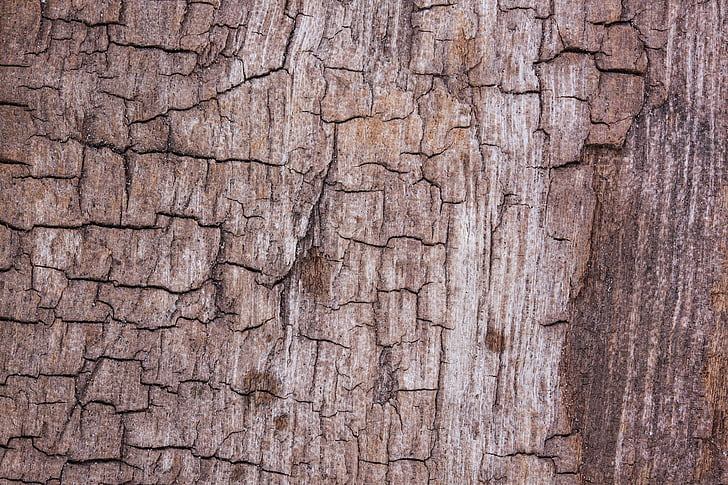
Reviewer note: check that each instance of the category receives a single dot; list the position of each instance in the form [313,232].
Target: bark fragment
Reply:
[348,241]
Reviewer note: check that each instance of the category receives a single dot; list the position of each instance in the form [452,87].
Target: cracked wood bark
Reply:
[363,241]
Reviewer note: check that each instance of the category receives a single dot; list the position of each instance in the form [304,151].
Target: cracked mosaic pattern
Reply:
[342,241]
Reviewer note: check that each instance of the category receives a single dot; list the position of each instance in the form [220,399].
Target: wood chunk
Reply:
[622,50]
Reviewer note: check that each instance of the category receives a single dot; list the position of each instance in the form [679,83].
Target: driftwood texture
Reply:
[363,241]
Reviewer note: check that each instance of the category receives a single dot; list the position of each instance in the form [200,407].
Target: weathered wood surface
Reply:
[363,241]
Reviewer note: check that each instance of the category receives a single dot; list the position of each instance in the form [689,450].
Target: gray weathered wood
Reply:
[363,241]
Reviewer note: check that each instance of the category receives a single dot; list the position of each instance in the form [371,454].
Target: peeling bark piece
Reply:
[612,114]
[523,111]
[90,12]
[396,317]
[237,285]
[603,11]
[622,50]
[151,186]
[356,279]
[175,356]
[390,102]
[64,342]
[447,170]
[439,38]
[408,264]
[573,31]
[408,471]
[104,123]
[78,303]
[165,86]
[150,136]
[16,302]
[354,209]
[347,96]
[566,452]
[619,97]
[610,135]
[167,424]
[506,46]
[570,75]
[569,82]
[195,32]
[46,201]
[144,307]
[529,467]
[96,436]
[517,49]
[443,116]
[411,440]
[155,25]
[570,204]
[338,327]
[151,308]
[117,383]
[163,259]
[32,407]
[369,148]
[541,7]
[9,248]
[103,187]
[420,357]
[20,24]
[417,213]
[22,462]
[97,472]
[268,33]
[33,154]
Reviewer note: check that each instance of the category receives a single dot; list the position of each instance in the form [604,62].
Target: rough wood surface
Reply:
[363,241]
